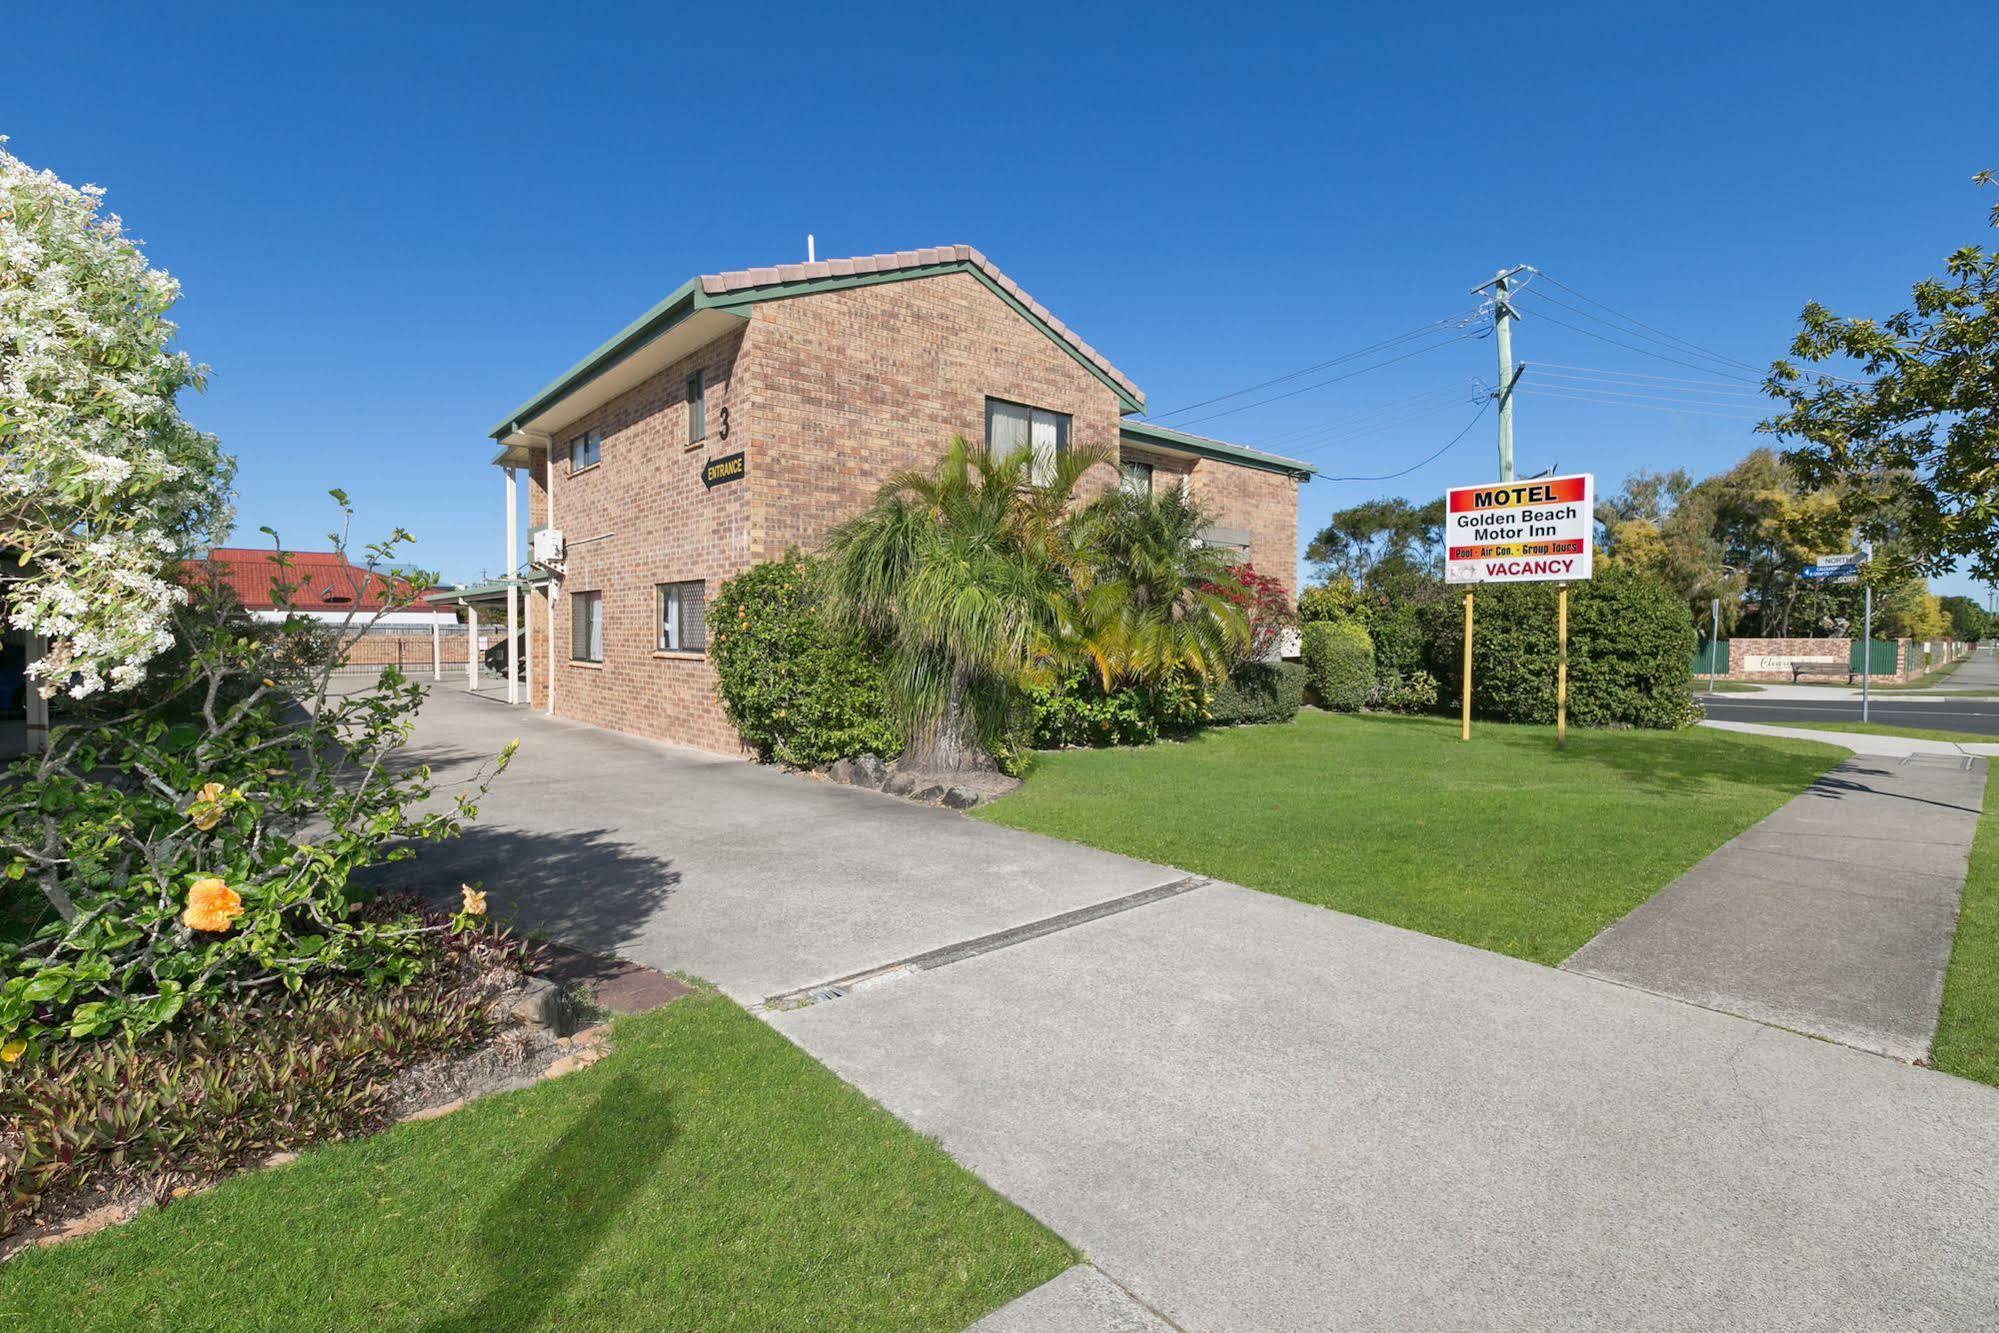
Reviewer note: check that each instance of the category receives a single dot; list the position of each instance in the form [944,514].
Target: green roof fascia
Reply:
[688,297]
[813,286]
[683,302]
[490,588]
[1141,432]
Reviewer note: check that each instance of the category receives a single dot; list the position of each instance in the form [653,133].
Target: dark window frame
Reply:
[579,621]
[592,444]
[697,407]
[686,630]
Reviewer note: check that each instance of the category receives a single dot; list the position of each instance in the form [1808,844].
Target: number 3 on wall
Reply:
[725,423]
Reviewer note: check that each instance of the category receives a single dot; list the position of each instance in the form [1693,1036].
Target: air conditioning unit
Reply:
[545,546]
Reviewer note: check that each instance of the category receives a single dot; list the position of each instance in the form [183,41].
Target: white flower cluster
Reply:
[103,487]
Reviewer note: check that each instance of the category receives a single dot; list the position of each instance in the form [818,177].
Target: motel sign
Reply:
[1538,531]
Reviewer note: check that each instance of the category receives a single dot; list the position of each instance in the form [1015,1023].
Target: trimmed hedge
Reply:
[800,692]
[1339,664]
[1258,692]
[1630,640]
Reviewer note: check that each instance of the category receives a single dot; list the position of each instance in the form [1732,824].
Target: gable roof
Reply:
[703,308]
[325,580]
[1144,432]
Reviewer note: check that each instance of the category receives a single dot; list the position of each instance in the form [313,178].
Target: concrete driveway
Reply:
[1254,1114]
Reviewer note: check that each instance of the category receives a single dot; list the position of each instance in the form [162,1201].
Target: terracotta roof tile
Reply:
[325,580]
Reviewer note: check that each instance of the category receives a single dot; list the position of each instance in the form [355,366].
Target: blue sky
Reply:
[395,222]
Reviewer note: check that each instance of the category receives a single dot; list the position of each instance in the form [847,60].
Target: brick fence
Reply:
[1772,659]
[410,649]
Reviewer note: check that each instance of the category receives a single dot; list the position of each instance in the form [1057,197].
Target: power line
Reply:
[1455,320]
[1624,392]
[1670,390]
[1644,407]
[1632,347]
[1347,437]
[1719,385]
[1391,476]
[1449,394]
[1675,338]
[1278,397]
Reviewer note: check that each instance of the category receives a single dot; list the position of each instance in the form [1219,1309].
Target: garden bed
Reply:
[97,1130]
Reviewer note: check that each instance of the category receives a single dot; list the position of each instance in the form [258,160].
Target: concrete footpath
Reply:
[1833,917]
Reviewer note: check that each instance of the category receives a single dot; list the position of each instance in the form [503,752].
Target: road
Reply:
[1973,715]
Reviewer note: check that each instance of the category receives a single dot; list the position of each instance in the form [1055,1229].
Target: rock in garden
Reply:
[929,795]
[869,771]
[899,784]
[841,770]
[960,798]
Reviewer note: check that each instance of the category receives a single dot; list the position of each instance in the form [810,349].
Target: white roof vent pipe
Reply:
[811,255]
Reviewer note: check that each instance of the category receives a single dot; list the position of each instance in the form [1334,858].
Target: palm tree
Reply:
[1148,608]
[964,577]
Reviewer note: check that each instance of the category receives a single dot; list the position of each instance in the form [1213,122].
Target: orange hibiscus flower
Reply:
[211,905]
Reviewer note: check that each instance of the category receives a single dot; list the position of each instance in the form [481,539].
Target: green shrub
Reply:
[1257,692]
[230,1083]
[1399,692]
[799,691]
[1339,664]
[1630,640]
[1076,710]
[1329,603]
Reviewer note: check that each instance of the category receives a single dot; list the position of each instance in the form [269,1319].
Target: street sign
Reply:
[1843,568]
[1538,531]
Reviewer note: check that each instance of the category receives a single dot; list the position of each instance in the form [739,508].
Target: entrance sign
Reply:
[725,469]
[1844,568]
[1539,531]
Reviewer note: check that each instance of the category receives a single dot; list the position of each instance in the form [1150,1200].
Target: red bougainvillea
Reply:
[1262,599]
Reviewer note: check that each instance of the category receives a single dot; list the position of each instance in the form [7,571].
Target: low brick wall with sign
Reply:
[1829,659]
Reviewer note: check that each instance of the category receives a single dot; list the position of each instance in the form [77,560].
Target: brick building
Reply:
[752,411]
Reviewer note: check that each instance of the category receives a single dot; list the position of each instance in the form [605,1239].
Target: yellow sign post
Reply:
[1561,666]
[1464,733]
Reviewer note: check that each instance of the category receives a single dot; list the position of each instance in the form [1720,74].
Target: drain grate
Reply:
[983,944]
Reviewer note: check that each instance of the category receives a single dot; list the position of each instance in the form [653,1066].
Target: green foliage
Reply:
[1075,709]
[1379,541]
[1335,600]
[961,575]
[1914,447]
[195,841]
[1405,691]
[1155,602]
[1257,692]
[1339,664]
[799,689]
[1630,640]
[241,1080]
[1969,622]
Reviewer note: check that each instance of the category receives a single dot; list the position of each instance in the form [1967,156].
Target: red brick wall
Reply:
[845,389]
[1265,503]
[829,396]
[639,518]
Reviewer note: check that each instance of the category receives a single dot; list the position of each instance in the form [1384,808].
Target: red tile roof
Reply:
[325,580]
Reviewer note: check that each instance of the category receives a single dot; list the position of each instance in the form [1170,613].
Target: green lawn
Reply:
[1504,843]
[706,1175]
[1725,686]
[1896,729]
[1967,1040]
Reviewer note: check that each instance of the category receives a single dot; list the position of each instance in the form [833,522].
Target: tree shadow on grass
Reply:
[1662,764]
[534,1239]
[585,887]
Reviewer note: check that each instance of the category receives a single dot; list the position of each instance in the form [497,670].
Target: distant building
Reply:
[326,586]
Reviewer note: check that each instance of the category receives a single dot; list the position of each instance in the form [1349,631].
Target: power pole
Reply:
[1503,315]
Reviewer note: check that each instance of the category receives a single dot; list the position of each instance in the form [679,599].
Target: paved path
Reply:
[1250,1113]
[1863,742]
[1833,916]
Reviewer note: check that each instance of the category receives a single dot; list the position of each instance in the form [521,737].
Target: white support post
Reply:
[436,645]
[513,595]
[471,647]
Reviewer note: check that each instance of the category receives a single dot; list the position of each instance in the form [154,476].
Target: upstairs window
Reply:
[683,617]
[1135,478]
[697,407]
[1011,427]
[586,626]
[586,450]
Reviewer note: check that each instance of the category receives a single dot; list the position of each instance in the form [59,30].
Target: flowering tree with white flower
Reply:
[194,828]
[103,487]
